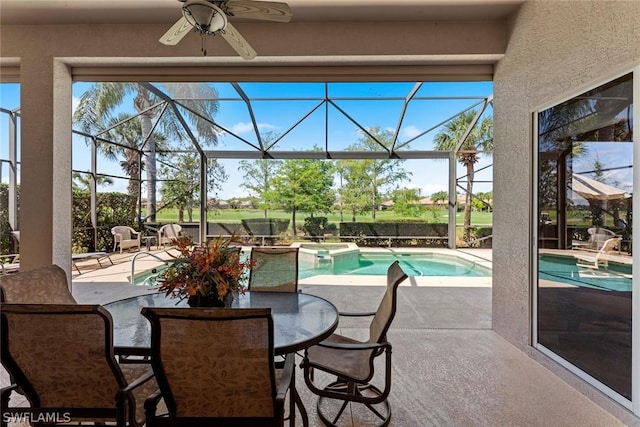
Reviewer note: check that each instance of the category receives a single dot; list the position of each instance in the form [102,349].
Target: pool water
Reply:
[369,264]
[616,277]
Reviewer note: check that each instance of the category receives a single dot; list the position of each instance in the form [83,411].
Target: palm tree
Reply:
[479,139]
[82,181]
[101,101]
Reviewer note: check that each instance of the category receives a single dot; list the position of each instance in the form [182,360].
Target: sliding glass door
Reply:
[584,220]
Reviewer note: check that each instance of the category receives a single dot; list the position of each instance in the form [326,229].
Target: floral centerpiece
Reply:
[208,275]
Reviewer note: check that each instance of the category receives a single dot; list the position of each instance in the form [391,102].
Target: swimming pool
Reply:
[563,269]
[414,264]
[358,262]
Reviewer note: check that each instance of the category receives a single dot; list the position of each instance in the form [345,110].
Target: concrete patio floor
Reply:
[449,367]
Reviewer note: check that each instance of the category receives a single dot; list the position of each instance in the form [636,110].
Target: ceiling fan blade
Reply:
[264,10]
[237,42]
[176,32]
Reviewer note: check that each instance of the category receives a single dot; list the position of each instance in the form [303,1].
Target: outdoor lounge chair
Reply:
[10,263]
[275,269]
[87,256]
[601,258]
[167,233]
[351,363]
[598,236]
[215,367]
[61,358]
[125,237]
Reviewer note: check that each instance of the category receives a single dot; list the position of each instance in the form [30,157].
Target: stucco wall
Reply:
[556,49]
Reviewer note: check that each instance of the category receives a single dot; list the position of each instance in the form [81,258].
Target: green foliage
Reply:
[303,185]
[6,240]
[479,233]
[315,226]
[476,140]
[440,196]
[82,181]
[405,233]
[258,176]
[112,209]
[363,181]
[265,226]
[405,202]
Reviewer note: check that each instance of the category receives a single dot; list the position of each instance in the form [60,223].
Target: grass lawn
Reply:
[235,215]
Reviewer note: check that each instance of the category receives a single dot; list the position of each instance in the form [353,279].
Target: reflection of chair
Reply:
[275,269]
[352,362]
[10,263]
[601,258]
[125,237]
[61,357]
[167,233]
[599,235]
[44,285]
[215,367]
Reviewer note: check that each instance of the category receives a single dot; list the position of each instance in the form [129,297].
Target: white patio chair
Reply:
[125,237]
[601,258]
[167,233]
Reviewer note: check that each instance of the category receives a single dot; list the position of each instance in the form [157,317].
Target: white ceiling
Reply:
[43,12]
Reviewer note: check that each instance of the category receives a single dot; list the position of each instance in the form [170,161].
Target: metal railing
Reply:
[143,253]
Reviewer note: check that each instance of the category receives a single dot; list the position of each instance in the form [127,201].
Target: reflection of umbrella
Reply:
[591,189]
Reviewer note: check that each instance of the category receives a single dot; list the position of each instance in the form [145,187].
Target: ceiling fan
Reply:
[209,17]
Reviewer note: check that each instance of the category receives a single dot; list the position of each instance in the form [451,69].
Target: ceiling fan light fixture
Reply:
[205,17]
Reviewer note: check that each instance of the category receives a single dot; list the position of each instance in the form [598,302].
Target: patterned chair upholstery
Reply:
[125,237]
[61,356]
[167,233]
[215,366]
[351,363]
[44,285]
[275,269]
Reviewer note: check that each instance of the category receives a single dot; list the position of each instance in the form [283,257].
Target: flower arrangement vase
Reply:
[210,301]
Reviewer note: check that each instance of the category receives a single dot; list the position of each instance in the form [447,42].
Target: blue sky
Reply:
[369,104]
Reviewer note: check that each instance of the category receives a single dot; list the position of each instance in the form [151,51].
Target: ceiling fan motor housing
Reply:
[204,16]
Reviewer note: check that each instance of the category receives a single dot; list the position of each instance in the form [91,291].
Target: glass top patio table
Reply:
[299,320]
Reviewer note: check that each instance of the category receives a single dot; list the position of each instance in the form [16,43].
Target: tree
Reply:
[366,179]
[98,104]
[258,176]
[480,138]
[303,185]
[405,202]
[440,196]
[82,181]
[182,186]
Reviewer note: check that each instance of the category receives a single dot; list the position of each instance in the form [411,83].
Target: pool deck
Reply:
[449,367]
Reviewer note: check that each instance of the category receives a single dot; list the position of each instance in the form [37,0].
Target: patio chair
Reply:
[61,357]
[215,367]
[598,236]
[10,263]
[601,258]
[167,233]
[275,269]
[125,237]
[44,285]
[352,363]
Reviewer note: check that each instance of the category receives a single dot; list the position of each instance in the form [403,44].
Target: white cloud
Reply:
[429,189]
[409,132]
[245,127]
